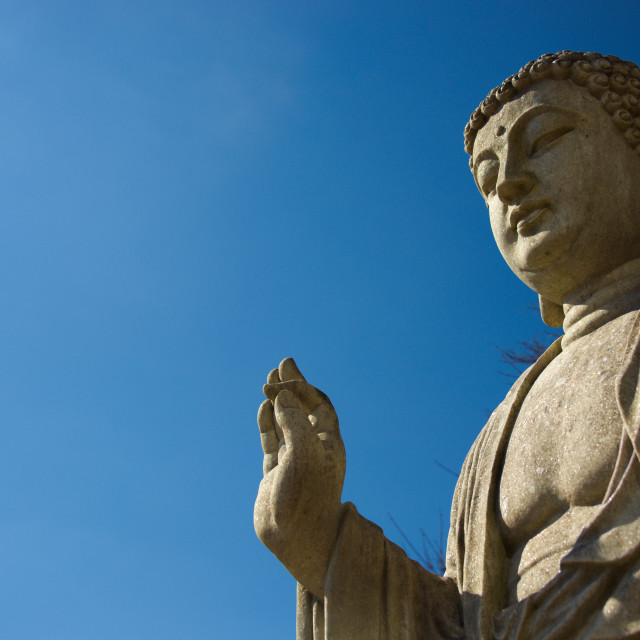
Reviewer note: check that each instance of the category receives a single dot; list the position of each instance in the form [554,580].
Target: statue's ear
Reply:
[551,312]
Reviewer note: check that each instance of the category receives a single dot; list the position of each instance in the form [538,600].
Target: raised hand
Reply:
[298,508]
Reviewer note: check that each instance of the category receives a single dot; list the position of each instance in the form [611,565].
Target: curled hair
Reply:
[612,81]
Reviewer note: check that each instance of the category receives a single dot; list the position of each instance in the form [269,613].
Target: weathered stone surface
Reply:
[545,523]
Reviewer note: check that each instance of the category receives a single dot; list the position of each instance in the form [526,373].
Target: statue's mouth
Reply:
[525,216]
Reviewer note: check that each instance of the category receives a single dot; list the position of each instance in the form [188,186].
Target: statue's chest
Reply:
[564,444]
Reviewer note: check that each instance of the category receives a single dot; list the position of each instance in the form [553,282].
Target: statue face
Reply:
[562,187]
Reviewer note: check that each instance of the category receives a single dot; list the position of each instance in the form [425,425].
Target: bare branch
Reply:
[433,555]
[455,474]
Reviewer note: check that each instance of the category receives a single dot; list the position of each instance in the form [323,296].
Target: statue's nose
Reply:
[512,188]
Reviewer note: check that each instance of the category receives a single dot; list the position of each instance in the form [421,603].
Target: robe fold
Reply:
[375,592]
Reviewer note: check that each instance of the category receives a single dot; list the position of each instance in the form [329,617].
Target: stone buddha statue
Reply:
[545,523]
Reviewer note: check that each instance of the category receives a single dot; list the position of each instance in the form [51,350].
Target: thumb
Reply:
[291,417]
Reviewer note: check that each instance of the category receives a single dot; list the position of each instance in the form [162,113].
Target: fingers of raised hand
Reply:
[268,436]
[292,418]
[316,404]
[309,396]
[288,370]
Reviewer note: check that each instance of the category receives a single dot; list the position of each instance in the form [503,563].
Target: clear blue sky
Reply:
[191,192]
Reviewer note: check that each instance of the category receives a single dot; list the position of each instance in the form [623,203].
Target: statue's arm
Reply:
[374,591]
[354,583]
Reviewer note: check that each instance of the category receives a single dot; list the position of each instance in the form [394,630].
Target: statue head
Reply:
[555,152]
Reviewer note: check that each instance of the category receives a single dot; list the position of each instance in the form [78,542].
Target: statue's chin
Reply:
[533,260]
[546,261]
[538,252]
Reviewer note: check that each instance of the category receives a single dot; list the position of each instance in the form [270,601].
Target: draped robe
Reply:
[374,591]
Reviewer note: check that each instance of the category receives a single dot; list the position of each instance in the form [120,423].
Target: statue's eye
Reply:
[488,184]
[547,140]
[487,176]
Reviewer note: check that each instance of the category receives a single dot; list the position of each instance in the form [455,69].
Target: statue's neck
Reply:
[604,299]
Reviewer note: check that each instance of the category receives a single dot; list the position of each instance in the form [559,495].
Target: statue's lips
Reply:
[524,217]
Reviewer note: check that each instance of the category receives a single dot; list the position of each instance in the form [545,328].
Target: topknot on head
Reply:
[612,81]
